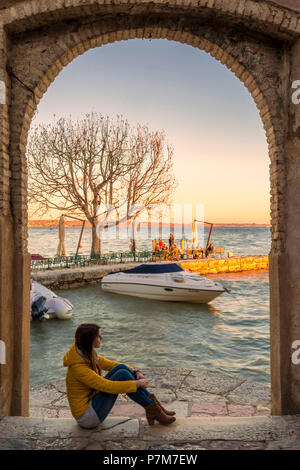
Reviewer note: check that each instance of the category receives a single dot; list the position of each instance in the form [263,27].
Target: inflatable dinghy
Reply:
[46,305]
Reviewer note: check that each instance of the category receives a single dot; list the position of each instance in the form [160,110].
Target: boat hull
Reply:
[168,294]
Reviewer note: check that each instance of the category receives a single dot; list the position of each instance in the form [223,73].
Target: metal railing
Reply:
[73,261]
[117,257]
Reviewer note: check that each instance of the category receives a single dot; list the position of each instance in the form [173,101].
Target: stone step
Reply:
[192,429]
[182,409]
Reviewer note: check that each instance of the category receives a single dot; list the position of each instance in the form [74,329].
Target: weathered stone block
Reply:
[234,429]
[212,382]
[213,409]
[250,393]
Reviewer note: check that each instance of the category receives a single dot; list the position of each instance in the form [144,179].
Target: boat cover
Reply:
[153,269]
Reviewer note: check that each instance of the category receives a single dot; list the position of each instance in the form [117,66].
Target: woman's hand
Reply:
[139,375]
[142,383]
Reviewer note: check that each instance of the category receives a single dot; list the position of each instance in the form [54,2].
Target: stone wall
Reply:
[257,40]
[76,277]
[227,265]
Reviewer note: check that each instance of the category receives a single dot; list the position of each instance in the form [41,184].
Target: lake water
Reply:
[229,335]
[239,240]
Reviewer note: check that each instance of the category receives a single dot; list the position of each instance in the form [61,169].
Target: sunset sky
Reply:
[220,149]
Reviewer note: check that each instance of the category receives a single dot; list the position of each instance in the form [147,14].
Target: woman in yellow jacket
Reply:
[91,396]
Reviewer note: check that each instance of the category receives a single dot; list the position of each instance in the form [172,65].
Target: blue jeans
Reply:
[103,402]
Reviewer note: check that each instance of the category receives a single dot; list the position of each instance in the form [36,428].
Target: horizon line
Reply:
[55,222]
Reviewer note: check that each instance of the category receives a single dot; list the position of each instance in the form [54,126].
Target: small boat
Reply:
[46,305]
[168,282]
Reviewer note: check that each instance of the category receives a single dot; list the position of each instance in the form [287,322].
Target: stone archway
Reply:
[258,41]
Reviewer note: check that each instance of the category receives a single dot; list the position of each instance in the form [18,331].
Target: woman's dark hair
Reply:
[84,338]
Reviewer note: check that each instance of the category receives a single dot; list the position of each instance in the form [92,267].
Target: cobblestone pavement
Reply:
[214,411]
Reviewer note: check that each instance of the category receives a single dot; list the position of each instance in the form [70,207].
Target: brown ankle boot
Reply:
[167,412]
[154,412]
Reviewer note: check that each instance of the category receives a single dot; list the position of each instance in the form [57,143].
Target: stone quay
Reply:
[79,276]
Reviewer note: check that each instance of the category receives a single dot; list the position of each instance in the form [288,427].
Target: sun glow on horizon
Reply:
[220,148]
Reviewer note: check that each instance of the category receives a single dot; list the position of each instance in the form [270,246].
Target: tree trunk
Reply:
[133,238]
[132,244]
[96,241]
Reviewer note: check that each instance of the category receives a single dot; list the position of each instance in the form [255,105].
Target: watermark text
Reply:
[296,353]
[124,222]
[296,94]
[2,352]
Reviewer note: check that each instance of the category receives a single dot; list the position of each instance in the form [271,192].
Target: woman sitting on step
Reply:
[91,396]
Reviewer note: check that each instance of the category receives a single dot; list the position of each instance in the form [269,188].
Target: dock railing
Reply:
[112,257]
[73,261]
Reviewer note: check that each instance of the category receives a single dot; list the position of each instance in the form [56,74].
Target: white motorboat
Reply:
[47,305]
[168,282]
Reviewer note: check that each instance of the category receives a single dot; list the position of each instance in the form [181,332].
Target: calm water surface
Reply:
[230,335]
[239,240]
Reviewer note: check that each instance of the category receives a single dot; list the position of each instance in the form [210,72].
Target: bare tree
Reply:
[72,164]
[80,167]
[150,182]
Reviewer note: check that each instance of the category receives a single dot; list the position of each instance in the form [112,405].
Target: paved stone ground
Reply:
[214,411]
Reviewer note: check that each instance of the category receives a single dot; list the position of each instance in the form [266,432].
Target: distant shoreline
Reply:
[73,223]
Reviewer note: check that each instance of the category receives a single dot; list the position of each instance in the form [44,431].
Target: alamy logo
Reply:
[2,352]
[296,94]
[113,216]
[2,92]
[296,354]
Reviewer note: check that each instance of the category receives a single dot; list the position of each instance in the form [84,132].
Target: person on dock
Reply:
[165,247]
[91,396]
[166,251]
[157,247]
[171,239]
[209,250]
[174,252]
[157,251]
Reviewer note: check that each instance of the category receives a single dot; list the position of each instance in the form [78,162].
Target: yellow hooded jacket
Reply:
[82,381]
